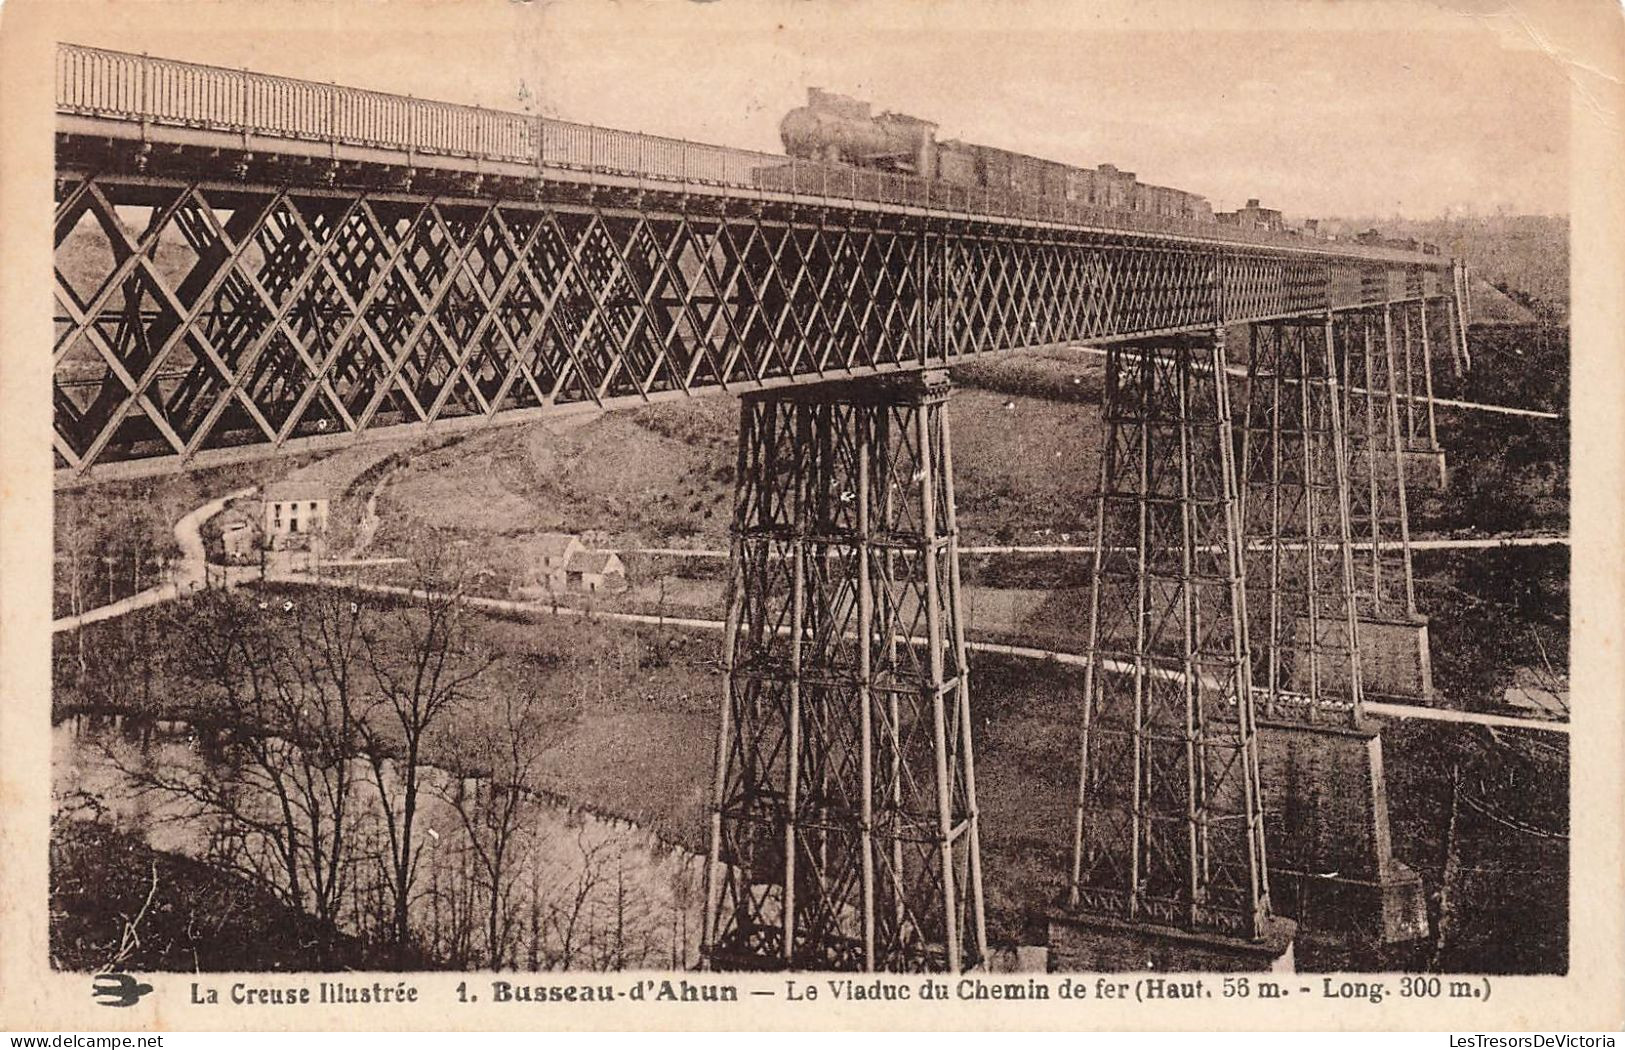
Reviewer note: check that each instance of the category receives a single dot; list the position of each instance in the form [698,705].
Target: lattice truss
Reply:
[1300,575]
[844,833]
[1169,826]
[1257,286]
[199,316]
[1000,287]
[1378,507]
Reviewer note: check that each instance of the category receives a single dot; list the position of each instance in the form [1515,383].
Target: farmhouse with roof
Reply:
[593,571]
[294,512]
[553,553]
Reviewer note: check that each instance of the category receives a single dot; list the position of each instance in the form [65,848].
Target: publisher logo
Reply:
[117,989]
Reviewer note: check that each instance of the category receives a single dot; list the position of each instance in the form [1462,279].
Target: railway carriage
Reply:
[838,129]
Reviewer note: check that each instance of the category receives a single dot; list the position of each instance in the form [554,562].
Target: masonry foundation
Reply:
[1425,469]
[1394,659]
[1331,862]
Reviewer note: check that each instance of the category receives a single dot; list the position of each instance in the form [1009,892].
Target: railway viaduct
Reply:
[293,266]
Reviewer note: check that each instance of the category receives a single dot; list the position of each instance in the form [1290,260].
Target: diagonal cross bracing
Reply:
[844,830]
[1368,364]
[308,315]
[1169,822]
[1303,625]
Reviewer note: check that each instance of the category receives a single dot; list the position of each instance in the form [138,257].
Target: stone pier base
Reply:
[1331,858]
[1395,663]
[1394,659]
[1084,943]
[1425,469]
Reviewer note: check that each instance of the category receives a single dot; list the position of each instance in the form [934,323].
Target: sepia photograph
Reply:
[547,491]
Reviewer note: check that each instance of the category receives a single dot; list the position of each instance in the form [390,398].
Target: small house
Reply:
[294,512]
[593,571]
[553,553]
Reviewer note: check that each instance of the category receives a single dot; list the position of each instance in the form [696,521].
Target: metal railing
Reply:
[157,91]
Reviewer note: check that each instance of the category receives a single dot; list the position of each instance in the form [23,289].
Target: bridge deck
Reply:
[321,265]
[114,95]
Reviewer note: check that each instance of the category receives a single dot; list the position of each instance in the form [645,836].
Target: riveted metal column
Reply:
[844,751]
[1108,474]
[1396,441]
[1406,358]
[1303,635]
[1370,454]
[1347,599]
[866,698]
[961,654]
[1169,831]
[715,875]
[1394,636]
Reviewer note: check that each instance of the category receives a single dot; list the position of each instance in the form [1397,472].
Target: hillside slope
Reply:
[663,475]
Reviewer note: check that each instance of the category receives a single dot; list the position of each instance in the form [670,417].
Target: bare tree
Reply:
[325,665]
[561,920]
[278,681]
[506,747]
[635,927]
[423,662]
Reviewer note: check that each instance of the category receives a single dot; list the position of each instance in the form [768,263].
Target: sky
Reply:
[1351,109]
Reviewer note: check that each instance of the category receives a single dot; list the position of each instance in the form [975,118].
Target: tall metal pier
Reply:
[1313,635]
[1369,347]
[1304,628]
[251,265]
[1169,827]
[844,826]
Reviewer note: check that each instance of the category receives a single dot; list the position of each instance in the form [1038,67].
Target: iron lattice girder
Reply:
[1303,628]
[270,316]
[844,828]
[1169,819]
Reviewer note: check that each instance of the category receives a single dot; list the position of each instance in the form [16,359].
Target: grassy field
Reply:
[663,475]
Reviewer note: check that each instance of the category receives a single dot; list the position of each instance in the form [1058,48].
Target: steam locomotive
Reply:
[836,128]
